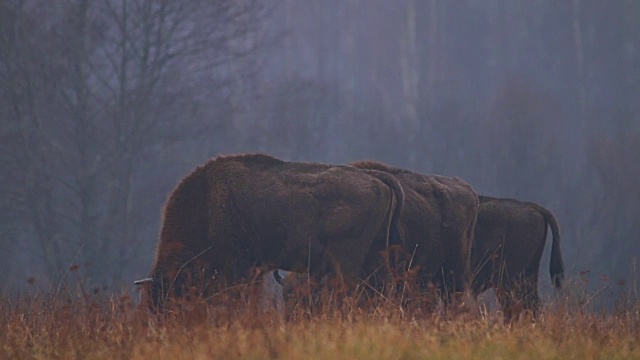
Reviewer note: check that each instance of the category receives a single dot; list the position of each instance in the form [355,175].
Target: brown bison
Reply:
[509,240]
[436,229]
[241,212]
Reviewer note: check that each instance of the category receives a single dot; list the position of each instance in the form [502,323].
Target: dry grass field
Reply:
[78,325]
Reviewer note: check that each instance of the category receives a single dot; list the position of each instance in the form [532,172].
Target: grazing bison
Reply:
[436,229]
[509,240]
[242,212]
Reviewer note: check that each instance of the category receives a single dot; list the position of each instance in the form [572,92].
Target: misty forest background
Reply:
[106,104]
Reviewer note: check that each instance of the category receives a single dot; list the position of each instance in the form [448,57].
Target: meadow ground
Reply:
[77,325]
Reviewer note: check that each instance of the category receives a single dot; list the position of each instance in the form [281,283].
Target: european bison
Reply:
[436,228]
[240,212]
[509,240]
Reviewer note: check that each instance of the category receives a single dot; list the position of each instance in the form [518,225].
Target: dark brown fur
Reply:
[240,212]
[436,228]
[509,240]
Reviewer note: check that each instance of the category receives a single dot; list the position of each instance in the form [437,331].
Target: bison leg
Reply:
[519,296]
[531,298]
[453,284]
[344,273]
[510,301]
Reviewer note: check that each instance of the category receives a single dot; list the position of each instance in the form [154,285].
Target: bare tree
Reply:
[26,151]
[95,84]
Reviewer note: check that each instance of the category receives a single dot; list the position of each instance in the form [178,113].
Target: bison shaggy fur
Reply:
[241,212]
[436,229]
[510,237]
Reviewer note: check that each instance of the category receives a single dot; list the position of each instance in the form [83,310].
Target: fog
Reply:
[107,104]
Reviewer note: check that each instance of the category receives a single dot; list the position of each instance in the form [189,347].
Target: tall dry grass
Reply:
[94,326]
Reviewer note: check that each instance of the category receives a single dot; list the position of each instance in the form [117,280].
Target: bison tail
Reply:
[556,266]
[393,235]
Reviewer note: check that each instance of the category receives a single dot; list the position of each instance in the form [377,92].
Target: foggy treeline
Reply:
[106,104]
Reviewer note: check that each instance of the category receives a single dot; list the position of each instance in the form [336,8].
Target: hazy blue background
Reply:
[106,104]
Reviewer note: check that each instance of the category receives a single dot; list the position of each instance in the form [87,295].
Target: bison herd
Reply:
[366,222]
